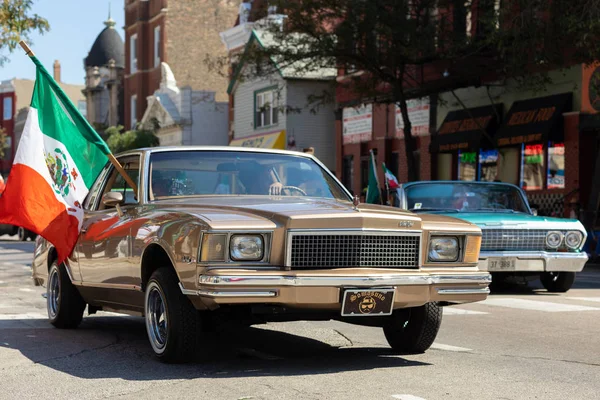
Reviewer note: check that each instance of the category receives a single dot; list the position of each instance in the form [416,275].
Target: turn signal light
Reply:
[472,249]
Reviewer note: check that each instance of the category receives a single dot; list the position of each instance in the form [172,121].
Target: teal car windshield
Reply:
[464,197]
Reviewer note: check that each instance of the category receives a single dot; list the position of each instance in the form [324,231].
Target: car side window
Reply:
[116,182]
[94,192]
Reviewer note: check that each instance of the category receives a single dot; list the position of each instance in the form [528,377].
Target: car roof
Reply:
[462,182]
[161,149]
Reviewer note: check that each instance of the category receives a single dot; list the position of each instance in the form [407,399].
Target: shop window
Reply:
[348,172]
[7,104]
[556,165]
[508,165]
[364,173]
[444,166]
[532,167]
[488,165]
[417,156]
[467,165]
[394,163]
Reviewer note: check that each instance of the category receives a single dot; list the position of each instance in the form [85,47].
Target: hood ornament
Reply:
[356,202]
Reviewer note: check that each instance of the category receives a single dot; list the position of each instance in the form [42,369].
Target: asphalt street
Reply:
[522,343]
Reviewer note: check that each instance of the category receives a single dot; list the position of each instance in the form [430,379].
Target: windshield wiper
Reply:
[434,209]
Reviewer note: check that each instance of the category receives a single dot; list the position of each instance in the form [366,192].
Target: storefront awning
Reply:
[461,129]
[272,140]
[535,120]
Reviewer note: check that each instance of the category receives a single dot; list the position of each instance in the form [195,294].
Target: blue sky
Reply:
[74,25]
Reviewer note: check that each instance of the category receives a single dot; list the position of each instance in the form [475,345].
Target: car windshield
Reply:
[235,173]
[469,197]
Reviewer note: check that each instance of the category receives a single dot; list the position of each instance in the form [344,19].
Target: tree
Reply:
[390,51]
[17,23]
[3,142]
[119,141]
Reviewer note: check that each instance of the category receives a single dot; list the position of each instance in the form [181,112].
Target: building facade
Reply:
[185,116]
[271,110]
[183,33]
[104,73]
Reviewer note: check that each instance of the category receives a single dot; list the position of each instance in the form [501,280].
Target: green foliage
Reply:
[385,47]
[17,23]
[119,141]
[3,142]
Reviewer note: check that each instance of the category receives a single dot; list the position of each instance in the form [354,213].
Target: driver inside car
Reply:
[259,180]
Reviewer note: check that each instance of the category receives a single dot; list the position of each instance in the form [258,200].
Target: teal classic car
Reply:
[515,241]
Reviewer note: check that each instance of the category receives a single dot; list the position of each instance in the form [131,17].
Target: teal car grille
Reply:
[513,239]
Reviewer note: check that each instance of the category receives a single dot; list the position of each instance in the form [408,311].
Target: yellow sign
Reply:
[274,140]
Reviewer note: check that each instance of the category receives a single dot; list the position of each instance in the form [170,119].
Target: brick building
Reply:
[183,33]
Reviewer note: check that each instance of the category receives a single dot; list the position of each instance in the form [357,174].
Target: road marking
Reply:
[11,251]
[406,397]
[31,315]
[461,311]
[447,347]
[24,289]
[595,299]
[534,305]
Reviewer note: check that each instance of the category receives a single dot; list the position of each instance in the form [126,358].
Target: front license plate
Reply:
[358,303]
[502,264]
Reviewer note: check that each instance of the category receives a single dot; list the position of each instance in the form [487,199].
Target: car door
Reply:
[104,247]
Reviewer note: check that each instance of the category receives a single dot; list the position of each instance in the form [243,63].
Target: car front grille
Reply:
[326,251]
[513,239]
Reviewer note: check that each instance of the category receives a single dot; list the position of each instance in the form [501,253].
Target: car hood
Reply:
[264,212]
[518,220]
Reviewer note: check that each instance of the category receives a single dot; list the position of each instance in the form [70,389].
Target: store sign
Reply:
[357,124]
[418,115]
[590,88]
[506,141]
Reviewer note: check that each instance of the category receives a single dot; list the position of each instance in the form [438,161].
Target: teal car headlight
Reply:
[554,239]
[573,239]
[246,248]
[443,249]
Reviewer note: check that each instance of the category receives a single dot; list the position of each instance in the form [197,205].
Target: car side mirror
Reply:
[113,199]
[534,211]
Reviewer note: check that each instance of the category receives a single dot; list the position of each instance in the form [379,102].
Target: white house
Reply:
[185,116]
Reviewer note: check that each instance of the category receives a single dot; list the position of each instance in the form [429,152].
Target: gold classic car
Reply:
[253,236]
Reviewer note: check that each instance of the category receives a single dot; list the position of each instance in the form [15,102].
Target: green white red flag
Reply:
[392,181]
[58,158]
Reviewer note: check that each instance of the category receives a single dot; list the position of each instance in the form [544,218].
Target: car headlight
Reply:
[246,247]
[554,239]
[443,248]
[573,239]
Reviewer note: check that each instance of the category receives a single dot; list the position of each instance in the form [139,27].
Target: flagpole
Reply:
[110,156]
[376,177]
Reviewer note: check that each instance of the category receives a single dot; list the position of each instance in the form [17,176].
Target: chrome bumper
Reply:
[540,261]
[256,285]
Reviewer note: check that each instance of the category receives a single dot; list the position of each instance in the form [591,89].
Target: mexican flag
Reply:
[392,181]
[373,192]
[58,158]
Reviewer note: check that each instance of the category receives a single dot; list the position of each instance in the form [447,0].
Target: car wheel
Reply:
[31,235]
[172,322]
[21,234]
[64,303]
[413,330]
[558,282]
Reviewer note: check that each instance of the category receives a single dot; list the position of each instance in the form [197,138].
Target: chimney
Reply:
[57,70]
